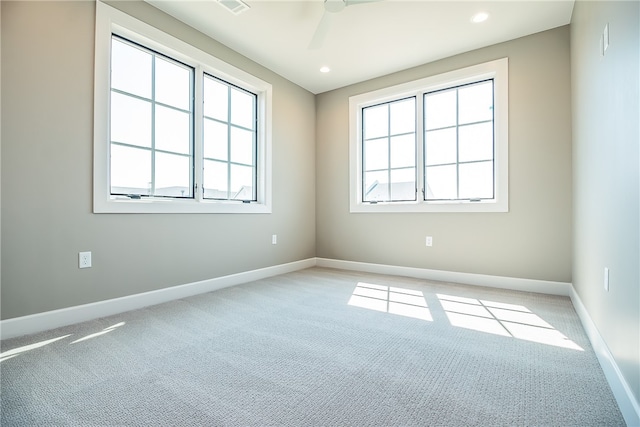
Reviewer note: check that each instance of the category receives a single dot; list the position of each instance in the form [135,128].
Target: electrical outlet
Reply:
[429,241]
[606,279]
[84,259]
[274,239]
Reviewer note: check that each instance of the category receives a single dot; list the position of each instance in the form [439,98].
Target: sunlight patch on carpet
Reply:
[102,332]
[390,299]
[19,350]
[507,320]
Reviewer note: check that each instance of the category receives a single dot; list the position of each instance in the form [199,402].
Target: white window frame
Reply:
[112,21]
[497,70]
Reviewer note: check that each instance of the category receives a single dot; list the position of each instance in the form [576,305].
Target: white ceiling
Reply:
[364,40]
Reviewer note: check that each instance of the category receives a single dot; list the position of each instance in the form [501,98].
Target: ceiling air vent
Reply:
[234,6]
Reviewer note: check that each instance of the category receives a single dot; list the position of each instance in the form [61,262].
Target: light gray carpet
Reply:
[300,350]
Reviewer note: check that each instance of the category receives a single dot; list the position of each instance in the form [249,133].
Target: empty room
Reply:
[320,213]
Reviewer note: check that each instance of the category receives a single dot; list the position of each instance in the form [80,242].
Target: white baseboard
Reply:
[511,283]
[67,316]
[39,322]
[627,403]
[53,319]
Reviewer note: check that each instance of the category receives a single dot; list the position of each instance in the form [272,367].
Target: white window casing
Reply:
[497,71]
[110,21]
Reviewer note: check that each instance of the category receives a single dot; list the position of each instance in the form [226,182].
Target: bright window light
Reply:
[507,320]
[16,351]
[389,299]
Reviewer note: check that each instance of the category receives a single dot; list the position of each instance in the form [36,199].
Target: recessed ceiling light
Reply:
[479,17]
[325,69]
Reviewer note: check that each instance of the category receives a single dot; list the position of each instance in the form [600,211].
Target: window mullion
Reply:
[361,157]
[152,190]
[389,152]
[255,148]
[198,133]
[229,142]
[457,144]
[420,149]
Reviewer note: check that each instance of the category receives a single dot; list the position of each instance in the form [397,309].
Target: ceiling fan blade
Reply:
[331,7]
[334,6]
[354,2]
[321,32]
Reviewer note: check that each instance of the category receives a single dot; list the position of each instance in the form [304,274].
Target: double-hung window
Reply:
[439,144]
[176,129]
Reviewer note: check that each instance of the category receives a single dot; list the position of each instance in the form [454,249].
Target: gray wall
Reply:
[47,144]
[532,240]
[47,126]
[606,190]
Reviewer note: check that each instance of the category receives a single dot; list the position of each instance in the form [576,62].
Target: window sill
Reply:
[435,207]
[172,206]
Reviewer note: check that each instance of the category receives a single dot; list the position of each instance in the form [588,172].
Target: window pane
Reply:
[241,146]
[475,103]
[476,142]
[215,140]
[173,175]
[173,84]
[441,183]
[215,176]
[403,184]
[130,120]
[216,99]
[440,109]
[403,116]
[403,151]
[476,180]
[130,69]
[376,186]
[234,140]
[440,147]
[376,154]
[130,170]
[172,130]
[376,121]
[242,108]
[241,182]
